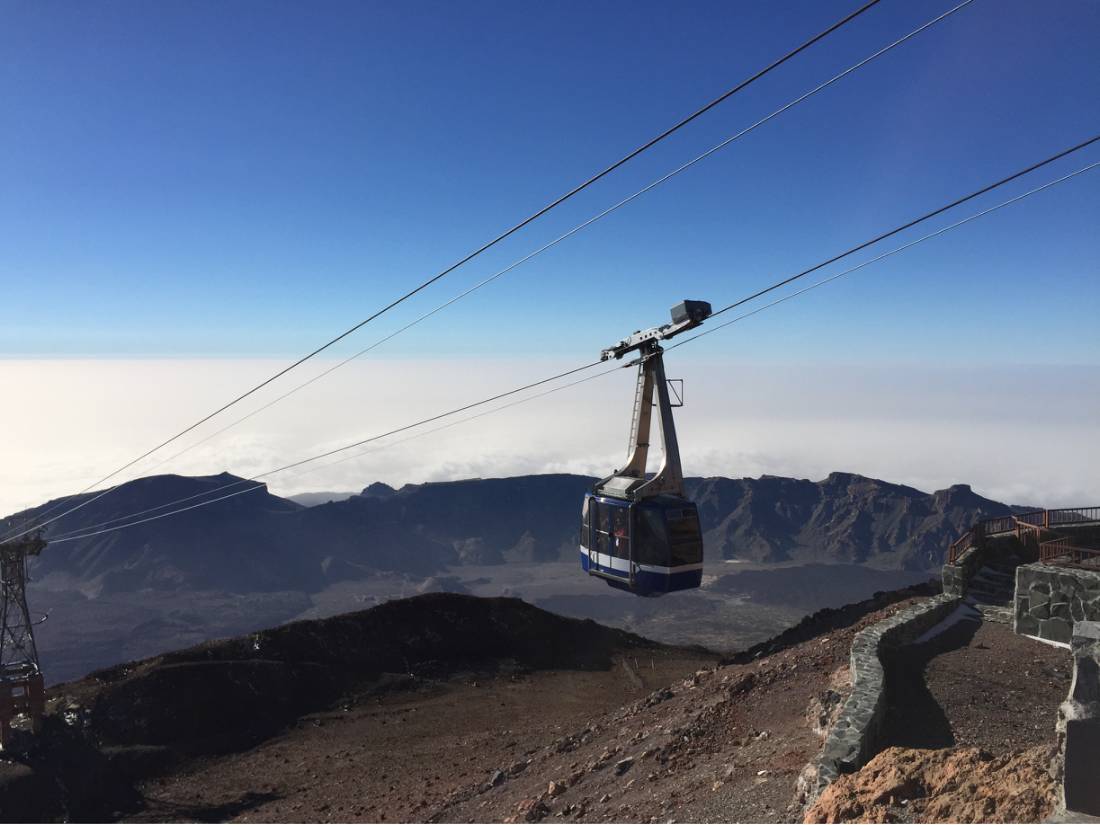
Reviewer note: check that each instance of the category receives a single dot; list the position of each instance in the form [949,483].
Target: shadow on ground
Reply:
[914,718]
[198,812]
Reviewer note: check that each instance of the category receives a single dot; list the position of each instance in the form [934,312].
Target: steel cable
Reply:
[485,247]
[84,533]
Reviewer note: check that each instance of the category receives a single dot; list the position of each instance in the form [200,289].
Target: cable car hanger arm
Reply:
[685,315]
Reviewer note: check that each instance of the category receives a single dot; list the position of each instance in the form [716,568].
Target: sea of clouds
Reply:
[1018,434]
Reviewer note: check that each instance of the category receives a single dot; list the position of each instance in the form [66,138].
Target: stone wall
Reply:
[856,736]
[955,576]
[1049,599]
[1079,724]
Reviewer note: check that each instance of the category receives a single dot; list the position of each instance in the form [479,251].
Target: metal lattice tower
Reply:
[22,689]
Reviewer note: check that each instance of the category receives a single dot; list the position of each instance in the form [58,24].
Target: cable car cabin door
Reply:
[609,549]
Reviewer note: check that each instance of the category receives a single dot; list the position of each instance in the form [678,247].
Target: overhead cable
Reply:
[81,534]
[355,444]
[883,256]
[486,246]
[579,227]
[910,224]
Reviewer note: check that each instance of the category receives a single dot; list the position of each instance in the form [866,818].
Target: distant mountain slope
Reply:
[846,517]
[254,542]
[227,545]
[313,499]
[488,521]
[259,542]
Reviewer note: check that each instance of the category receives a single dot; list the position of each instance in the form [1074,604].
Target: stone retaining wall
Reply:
[1079,725]
[856,736]
[956,576]
[1049,599]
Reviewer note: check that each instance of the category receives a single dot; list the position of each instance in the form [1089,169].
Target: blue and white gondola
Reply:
[649,548]
[638,531]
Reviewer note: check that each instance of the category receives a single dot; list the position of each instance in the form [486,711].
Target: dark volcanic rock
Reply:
[377,490]
[58,774]
[228,694]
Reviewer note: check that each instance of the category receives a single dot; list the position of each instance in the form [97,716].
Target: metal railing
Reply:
[960,546]
[1006,524]
[1073,515]
[1059,551]
[1030,528]
[1036,518]
[1029,533]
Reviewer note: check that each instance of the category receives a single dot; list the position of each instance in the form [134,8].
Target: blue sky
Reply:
[203,179]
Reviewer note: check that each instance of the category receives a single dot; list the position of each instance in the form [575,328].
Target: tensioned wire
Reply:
[485,247]
[678,170]
[88,532]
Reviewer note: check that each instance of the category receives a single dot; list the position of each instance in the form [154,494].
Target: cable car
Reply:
[640,533]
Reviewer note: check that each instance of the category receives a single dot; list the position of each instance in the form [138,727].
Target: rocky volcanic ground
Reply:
[949,785]
[718,743]
[631,732]
[972,730]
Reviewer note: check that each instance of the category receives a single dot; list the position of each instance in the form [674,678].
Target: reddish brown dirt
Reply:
[974,714]
[724,744]
[951,785]
[402,756]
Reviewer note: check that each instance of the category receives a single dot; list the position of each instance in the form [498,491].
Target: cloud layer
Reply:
[1024,435]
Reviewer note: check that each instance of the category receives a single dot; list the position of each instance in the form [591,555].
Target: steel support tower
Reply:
[22,689]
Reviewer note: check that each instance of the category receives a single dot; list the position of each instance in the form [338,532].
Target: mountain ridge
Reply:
[260,542]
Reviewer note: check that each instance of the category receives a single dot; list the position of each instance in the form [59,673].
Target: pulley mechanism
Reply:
[685,315]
